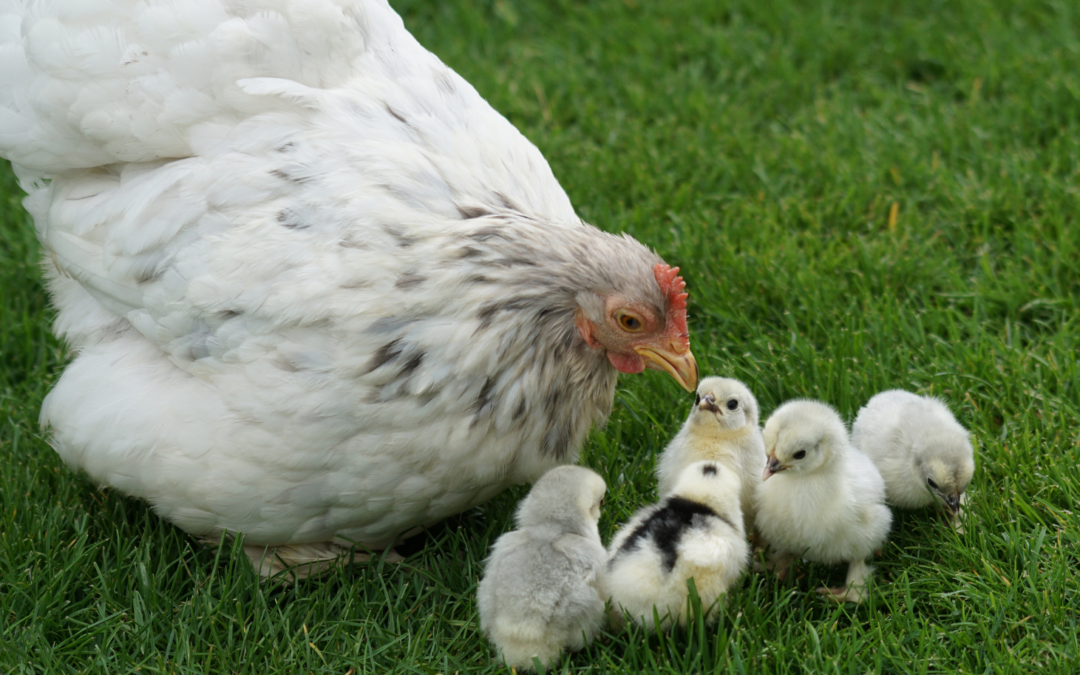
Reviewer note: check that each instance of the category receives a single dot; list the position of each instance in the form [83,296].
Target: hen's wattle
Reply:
[319,291]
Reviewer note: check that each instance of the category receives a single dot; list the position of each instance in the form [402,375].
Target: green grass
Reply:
[861,196]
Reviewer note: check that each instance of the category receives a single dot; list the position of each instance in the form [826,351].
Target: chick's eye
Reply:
[697,399]
[799,455]
[931,483]
[732,404]
[629,322]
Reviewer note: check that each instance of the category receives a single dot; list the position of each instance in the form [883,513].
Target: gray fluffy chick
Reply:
[922,452]
[542,590]
[722,426]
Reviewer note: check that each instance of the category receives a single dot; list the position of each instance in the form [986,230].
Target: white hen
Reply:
[319,291]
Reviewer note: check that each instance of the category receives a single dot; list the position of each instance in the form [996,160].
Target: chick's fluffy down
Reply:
[923,453]
[825,500]
[695,533]
[543,588]
[722,426]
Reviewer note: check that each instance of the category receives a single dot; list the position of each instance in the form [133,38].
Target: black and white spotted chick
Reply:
[694,533]
[542,591]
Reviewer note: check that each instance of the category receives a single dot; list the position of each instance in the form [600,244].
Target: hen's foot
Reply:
[290,562]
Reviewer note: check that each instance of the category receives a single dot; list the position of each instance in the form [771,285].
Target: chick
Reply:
[694,533]
[722,426]
[819,497]
[542,591]
[922,452]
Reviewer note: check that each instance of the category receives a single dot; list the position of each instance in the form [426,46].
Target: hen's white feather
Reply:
[263,218]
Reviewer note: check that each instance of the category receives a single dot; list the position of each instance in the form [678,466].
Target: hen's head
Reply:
[641,324]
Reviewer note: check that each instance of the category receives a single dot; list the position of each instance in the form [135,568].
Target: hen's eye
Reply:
[629,322]
[931,483]
[732,404]
[799,455]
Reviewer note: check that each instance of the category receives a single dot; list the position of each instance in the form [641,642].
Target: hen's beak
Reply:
[677,360]
[774,466]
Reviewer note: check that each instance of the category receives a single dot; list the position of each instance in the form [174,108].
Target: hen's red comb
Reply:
[671,285]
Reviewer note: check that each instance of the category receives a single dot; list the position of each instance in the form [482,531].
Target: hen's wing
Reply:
[92,82]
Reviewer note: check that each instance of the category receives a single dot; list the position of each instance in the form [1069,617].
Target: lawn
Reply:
[861,196]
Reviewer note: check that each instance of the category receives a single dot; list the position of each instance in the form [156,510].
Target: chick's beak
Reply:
[675,358]
[953,502]
[708,402]
[774,466]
